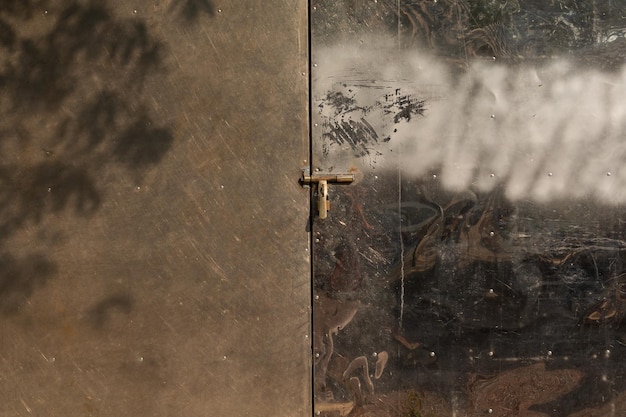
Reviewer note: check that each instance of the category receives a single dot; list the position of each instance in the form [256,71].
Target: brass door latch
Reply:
[322,179]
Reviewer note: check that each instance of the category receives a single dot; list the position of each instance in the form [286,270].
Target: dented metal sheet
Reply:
[476,265]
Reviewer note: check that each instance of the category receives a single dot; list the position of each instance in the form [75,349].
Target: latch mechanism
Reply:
[322,180]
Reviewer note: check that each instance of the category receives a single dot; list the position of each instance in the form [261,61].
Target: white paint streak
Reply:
[546,131]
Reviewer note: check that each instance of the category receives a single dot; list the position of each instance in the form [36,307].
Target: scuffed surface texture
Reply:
[476,264]
[153,245]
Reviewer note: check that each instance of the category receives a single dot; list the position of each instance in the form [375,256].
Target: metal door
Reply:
[475,263]
[153,247]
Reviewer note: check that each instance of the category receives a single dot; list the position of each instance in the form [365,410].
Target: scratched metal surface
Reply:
[153,243]
[476,265]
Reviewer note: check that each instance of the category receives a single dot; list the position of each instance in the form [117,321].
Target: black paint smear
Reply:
[404,107]
[357,134]
[340,102]
[409,107]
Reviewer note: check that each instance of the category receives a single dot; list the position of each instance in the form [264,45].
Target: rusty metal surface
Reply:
[476,264]
[153,244]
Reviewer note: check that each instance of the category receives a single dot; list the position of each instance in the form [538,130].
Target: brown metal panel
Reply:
[153,245]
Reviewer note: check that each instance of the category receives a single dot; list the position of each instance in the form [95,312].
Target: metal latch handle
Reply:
[322,180]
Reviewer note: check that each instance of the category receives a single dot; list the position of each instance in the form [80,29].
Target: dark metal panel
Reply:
[153,244]
[475,264]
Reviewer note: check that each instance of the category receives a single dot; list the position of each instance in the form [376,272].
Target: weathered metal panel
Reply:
[475,265]
[153,244]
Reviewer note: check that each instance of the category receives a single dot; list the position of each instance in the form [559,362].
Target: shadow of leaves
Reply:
[7,35]
[190,10]
[46,70]
[72,106]
[109,129]
[19,8]
[45,188]
[100,313]
[19,277]
[142,144]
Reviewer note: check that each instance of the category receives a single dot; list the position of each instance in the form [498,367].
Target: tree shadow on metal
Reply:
[101,313]
[191,10]
[20,277]
[72,106]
